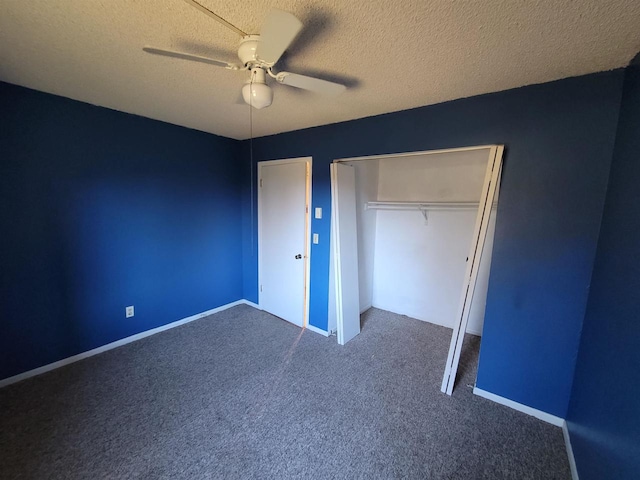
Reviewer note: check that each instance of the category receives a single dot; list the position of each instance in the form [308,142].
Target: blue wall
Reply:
[604,413]
[100,210]
[559,138]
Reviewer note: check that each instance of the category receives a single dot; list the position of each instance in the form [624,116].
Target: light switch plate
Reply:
[318,212]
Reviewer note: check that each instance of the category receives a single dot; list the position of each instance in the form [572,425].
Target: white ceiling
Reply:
[393,54]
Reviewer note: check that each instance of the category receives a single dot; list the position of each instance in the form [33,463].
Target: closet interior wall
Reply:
[415,266]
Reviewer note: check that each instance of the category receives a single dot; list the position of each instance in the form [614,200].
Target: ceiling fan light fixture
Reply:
[258,95]
[256,92]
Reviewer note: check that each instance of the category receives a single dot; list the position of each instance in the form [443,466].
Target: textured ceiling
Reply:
[392,54]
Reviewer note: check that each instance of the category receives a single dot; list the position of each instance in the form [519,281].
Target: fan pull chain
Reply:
[251,161]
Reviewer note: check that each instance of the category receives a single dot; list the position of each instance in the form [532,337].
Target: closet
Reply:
[411,221]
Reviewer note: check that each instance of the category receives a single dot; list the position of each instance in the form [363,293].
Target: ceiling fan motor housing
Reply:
[247,52]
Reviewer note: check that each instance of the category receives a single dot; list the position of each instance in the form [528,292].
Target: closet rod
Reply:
[422,205]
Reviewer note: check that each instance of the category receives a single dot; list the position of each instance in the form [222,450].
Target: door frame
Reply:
[493,171]
[414,154]
[307,240]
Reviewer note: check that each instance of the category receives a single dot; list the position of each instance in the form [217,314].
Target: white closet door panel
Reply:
[494,168]
[345,253]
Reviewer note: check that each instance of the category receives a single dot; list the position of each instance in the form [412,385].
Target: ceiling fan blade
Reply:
[310,83]
[278,31]
[188,56]
[216,17]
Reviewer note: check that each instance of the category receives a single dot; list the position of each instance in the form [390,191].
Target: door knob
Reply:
[298,256]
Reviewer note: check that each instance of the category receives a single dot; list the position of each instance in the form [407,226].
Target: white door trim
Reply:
[492,176]
[307,242]
[414,154]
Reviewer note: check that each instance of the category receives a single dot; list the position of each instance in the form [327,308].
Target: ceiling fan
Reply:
[258,54]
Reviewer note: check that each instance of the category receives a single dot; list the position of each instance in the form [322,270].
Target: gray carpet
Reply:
[242,394]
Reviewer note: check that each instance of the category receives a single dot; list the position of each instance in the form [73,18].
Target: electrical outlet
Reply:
[129,311]
[316,238]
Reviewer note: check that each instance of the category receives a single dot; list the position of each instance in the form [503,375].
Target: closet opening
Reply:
[412,234]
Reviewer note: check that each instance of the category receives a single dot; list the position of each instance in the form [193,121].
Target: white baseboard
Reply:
[308,327]
[317,330]
[118,343]
[474,332]
[544,416]
[251,304]
[567,443]
[364,309]
[390,308]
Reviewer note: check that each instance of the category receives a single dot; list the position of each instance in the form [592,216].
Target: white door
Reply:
[344,245]
[283,207]
[492,176]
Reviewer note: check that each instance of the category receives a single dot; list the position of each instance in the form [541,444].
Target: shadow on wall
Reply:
[101,210]
[603,417]
[139,241]
[104,245]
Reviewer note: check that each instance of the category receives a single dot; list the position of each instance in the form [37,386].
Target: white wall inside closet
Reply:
[411,266]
